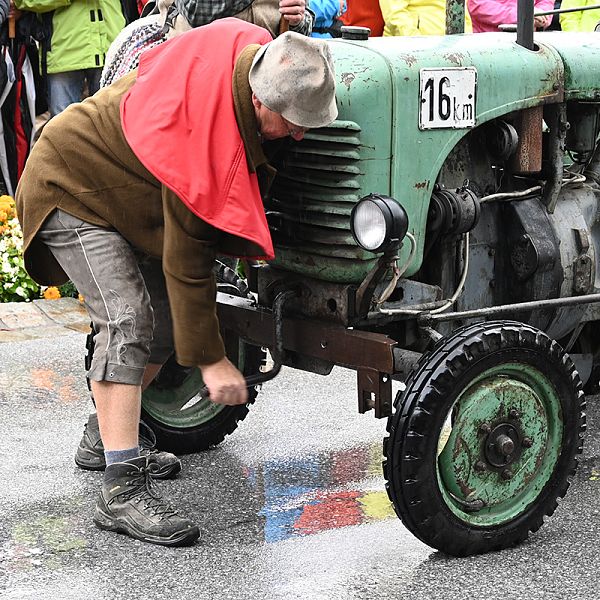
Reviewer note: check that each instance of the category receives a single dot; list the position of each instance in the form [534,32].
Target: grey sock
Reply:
[115,456]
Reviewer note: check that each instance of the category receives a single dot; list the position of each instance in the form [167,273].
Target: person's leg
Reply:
[64,89]
[103,267]
[93,80]
[90,452]
[118,408]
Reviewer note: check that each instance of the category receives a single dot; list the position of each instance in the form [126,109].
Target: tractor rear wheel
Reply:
[182,421]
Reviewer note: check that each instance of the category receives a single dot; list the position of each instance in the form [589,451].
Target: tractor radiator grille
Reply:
[312,196]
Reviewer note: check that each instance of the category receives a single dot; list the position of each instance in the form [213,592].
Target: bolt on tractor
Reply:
[444,231]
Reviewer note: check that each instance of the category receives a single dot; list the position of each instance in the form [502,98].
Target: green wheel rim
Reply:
[516,395]
[179,407]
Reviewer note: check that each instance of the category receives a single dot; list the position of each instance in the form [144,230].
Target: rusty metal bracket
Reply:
[350,348]
[374,392]
[276,350]
[364,294]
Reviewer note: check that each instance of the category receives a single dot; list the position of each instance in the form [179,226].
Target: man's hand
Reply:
[541,22]
[292,11]
[225,383]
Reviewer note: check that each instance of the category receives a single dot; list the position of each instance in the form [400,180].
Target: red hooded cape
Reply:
[179,120]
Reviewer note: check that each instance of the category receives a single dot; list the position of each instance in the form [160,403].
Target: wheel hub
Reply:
[504,433]
[502,446]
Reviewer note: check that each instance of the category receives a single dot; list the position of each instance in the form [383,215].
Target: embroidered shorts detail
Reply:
[124,293]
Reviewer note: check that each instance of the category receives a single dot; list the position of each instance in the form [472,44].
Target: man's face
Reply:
[272,125]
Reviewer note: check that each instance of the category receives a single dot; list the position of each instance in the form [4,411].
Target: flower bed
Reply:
[15,283]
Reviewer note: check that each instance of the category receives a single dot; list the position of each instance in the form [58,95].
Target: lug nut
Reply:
[527,442]
[484,428]
[506,474]
[480,466]
[514,414]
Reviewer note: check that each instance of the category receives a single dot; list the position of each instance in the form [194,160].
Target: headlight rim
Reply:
[395,218]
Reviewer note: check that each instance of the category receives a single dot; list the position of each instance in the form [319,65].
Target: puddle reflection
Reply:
[40,384]
[308,495]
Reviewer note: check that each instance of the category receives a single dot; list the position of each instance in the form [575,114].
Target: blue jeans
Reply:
[66,88]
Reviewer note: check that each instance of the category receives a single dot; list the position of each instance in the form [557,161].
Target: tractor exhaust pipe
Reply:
[525,24]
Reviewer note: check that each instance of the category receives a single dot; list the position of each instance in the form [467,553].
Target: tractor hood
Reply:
[389,139]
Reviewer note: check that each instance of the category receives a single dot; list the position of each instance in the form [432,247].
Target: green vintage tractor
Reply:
[444,232]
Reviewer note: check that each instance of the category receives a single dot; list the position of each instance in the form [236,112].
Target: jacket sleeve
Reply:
[4,6]
[188,259]
[326,11]
[570,21]
[41,6]
[398,18]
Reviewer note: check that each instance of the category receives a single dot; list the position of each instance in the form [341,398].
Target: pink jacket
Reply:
[488,14]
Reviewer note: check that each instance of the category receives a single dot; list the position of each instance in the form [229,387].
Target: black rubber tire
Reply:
[410,449]
[212,432]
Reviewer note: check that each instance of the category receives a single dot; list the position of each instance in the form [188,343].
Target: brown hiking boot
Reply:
[130,503]
[90,452]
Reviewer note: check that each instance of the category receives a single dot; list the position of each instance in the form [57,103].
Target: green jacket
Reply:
[579,21]
[82,31]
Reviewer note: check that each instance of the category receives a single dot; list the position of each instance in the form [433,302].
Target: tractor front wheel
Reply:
[485,438]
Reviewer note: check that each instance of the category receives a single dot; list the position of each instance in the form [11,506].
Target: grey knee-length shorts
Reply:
[124,292]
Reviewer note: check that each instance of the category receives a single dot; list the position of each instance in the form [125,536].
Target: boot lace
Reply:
[145,491]
[147,438]
[148,444]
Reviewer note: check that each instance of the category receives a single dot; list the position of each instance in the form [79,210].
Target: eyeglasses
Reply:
[293,130]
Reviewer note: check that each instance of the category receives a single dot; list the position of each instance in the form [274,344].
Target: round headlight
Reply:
[378,223]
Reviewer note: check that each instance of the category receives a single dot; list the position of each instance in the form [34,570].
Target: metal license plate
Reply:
[447,98]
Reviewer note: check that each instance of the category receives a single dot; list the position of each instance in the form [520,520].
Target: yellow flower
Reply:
[7,200]
[7,207]
[52,293]
[3,215]
[81,298]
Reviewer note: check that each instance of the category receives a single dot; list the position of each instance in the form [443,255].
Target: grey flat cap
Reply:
[294,76]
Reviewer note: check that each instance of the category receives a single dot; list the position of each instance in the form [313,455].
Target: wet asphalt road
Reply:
[292,505]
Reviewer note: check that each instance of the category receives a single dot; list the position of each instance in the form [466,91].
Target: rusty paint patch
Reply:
[465,489]
[409,59]
[421,185]
[347,79]
[454,58]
